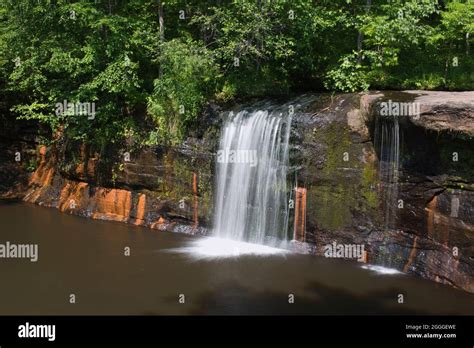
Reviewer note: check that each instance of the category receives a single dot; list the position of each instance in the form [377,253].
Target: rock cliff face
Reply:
[332,157]
[161,189]
[436,186]
[431,232]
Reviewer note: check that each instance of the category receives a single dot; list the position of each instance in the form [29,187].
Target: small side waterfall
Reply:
[387,144]
[251,188]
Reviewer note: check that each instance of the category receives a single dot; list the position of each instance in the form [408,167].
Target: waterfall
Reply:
[387,144]
[251,171]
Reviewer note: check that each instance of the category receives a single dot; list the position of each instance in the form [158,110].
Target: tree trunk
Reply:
[467,44]
[360,35]
[162,31]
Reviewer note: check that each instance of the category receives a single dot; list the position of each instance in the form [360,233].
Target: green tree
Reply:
[189,77]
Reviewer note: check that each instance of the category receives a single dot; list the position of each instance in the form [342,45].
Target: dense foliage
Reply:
[152,82]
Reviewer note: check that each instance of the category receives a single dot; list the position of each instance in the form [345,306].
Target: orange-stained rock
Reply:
[141,206]
[91,166]
[365,256]
[42,150]
[157,224]
[412,256]
[39,182]
[43,174]
[112,204]
[73,196]
[430,223]
[80,169]
[63,196]
[300,214]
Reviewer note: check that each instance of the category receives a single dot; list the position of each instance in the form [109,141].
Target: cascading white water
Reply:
[251,189]
[387,143]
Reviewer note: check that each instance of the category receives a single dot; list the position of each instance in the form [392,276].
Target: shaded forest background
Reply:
[151,67]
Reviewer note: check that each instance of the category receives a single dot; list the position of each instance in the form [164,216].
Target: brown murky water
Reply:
[86,258]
